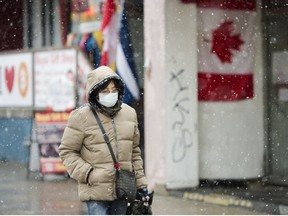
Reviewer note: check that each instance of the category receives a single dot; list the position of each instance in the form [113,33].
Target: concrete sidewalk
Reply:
[30,196]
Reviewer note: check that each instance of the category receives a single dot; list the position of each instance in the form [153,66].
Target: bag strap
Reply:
[106,138]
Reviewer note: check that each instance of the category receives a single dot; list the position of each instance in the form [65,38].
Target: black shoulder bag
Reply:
[125,180]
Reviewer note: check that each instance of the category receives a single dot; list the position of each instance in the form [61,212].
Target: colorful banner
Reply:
[16,80]
[226,32]
[55,79]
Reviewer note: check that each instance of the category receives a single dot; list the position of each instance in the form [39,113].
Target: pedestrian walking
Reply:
[85,153]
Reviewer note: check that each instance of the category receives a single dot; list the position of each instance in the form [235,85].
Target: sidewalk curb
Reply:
[224,200]
[218,199]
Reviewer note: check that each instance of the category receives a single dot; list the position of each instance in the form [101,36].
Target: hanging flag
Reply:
[93,51]
[226,31]
[109,27]
[125,65]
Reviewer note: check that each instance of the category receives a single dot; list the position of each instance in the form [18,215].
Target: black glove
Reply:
[142,194]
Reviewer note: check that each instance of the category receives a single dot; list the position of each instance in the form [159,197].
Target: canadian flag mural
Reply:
[226,32]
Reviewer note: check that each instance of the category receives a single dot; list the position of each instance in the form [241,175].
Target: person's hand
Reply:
[142,194]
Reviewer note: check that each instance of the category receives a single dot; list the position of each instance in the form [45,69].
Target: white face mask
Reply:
[108,100]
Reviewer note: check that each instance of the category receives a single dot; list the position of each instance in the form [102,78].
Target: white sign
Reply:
[55,78]
[84,68]
[16,80]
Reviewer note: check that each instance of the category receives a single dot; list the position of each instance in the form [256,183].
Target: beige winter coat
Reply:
[83,147]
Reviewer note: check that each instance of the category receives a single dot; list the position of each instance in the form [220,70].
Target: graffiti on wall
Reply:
[182,133]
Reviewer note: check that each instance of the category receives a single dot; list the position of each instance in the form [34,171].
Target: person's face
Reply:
[111,88]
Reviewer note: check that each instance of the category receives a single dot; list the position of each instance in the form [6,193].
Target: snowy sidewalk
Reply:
[30,196]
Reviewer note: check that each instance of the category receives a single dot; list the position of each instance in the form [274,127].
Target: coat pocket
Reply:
[101,175]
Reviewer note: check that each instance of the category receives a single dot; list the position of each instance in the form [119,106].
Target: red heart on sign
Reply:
[9,76]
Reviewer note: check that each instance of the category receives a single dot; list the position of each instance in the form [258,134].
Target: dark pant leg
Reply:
[118,207]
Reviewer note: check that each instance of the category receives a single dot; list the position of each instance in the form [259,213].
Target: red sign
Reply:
[52,165]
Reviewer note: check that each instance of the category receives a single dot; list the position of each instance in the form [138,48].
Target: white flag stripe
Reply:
[125,72]
[110,36]
[243,23]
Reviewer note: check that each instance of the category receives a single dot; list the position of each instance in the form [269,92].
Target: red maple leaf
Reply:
[223,42]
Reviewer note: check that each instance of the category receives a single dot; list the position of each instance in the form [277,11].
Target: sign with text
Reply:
[49,130]
[84,68]
[55,79]
[16,80]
